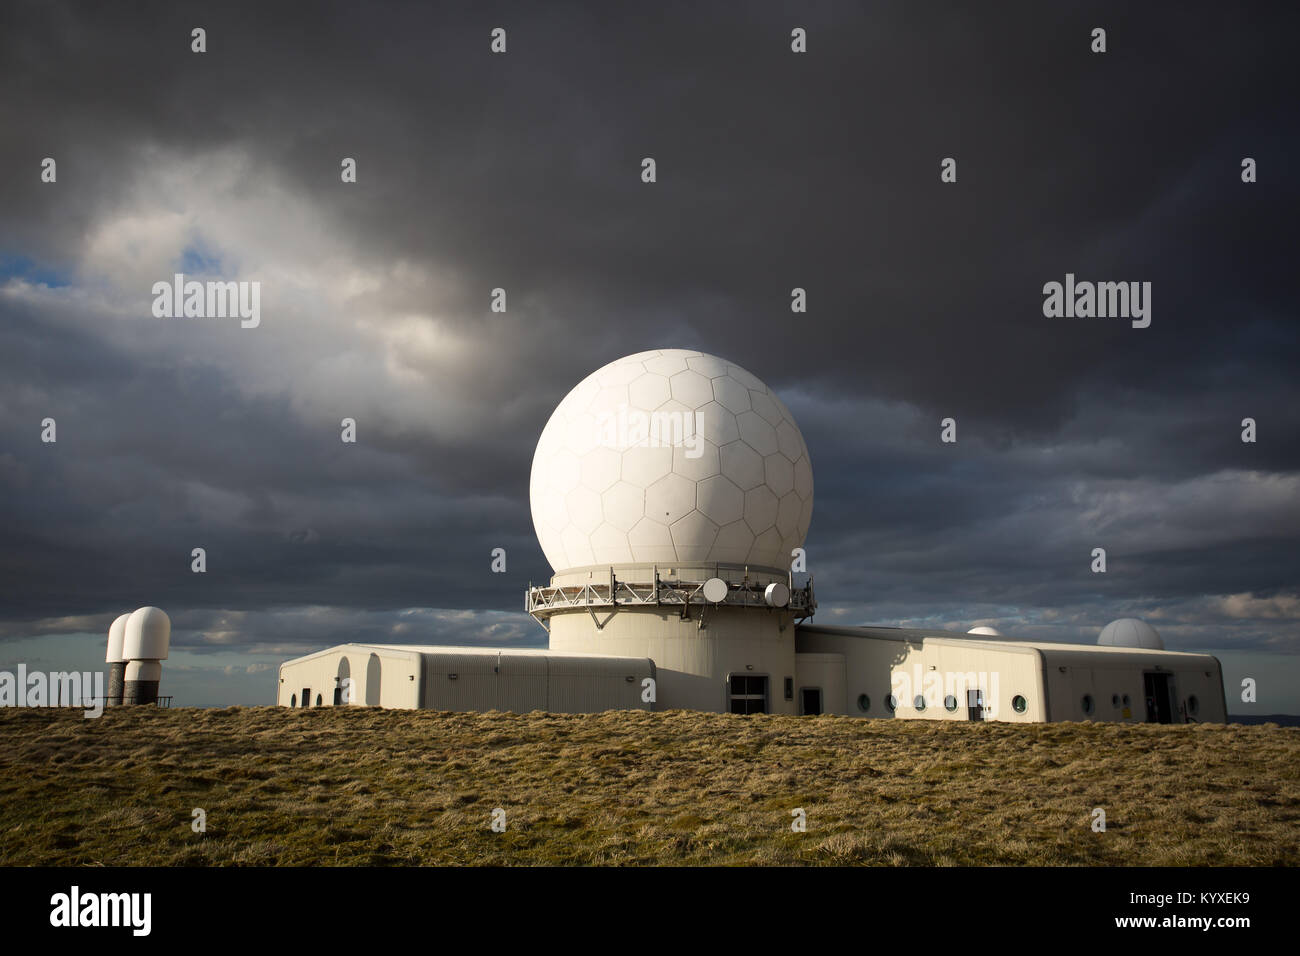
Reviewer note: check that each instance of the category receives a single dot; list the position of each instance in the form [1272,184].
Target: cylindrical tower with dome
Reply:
[670,490]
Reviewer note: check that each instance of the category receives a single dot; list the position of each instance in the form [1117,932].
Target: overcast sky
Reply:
[522,171]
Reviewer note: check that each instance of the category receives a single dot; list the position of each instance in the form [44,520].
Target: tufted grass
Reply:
[358,786]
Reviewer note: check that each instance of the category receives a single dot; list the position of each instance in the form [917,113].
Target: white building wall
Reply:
[468,679]
[693,664]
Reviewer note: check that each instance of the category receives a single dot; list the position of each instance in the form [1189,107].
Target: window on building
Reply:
[1114,700]
[747,694]
[293,700]
[950,703]
[318,700]
[919,702]
[864,703]
[789,688]
[891,703]
[1019,704]
[1193,705]
[1087,703]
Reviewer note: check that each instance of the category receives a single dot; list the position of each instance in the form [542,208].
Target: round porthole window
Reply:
[919,702]
[1114,700]
[864,703]
[950,703]
[1087,703]
[318,700]
[1193,705]
[891,703]
[293,700]
[1019,704]
[1126,700]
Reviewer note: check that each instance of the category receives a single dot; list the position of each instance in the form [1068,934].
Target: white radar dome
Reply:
[148,634]
[116,635]
[1131,632]
[986,631]
[671,457]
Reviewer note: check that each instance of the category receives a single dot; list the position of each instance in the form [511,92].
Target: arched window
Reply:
[293,700]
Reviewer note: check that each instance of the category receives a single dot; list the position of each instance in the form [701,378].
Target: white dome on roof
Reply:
[985,630]
[1131,632]
[671,457]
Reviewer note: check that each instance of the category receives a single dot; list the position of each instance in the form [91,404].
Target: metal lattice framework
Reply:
[542,602]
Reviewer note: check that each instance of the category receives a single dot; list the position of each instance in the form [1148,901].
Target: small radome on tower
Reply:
[137,644]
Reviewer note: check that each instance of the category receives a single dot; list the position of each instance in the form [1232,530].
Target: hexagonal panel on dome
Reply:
[610,544]
[733,543]
[803,483]
[693,537]
[716,424]
[583,506]
[719,500]
[787,515]
[757,433]
[761,506]
[644,465]
[564,473]
[623,505]
[731,395]
[778,474]
[670,498]
[697,460]
[600,468]
[651,542]
[606,488]
[667,364]
[707,365]
[768,550]
[691,389]
[762,404]
[788,441]
[649,391]
[741,464]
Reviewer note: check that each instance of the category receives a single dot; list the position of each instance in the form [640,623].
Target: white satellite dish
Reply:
[776,594]
[715,590]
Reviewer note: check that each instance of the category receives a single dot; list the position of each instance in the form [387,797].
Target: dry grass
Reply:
[359,786]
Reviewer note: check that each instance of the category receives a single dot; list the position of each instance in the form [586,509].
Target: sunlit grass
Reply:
[355,786]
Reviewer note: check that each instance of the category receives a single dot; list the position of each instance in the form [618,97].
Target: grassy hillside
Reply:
[360,786]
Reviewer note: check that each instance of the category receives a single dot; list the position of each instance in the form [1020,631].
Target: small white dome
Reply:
[1131,632]
[148,634]
[116,634]
[986,631]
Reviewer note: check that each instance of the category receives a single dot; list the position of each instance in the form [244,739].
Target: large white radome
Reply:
[738,490]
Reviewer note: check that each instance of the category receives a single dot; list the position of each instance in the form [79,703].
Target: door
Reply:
[811,700]
[1159,707]
[974,704]
[306,696]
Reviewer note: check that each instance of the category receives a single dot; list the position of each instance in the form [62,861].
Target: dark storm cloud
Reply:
[522,171]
